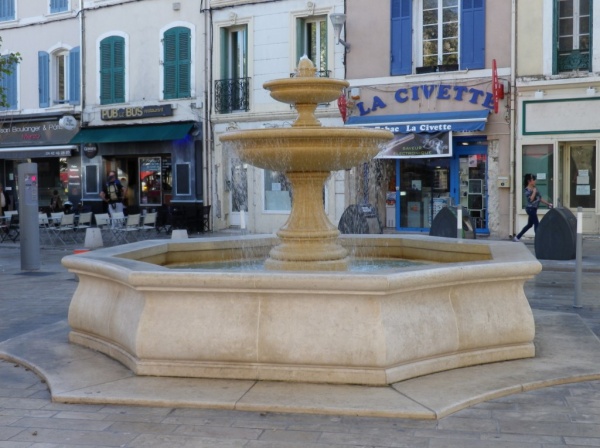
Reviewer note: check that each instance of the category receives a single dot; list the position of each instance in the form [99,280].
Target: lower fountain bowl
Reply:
[466,308]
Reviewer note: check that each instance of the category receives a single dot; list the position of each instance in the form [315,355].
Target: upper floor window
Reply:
[450,35]
[8,85]
[177,63]
[312,41]
[7,10]
[59,6]
[112,70]
[232,90]
[572,35]
[59,77]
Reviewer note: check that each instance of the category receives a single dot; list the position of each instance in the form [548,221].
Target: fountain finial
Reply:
[306,68]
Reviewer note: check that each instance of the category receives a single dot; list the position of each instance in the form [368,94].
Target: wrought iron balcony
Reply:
[318,74]
[573,60]
[232,95]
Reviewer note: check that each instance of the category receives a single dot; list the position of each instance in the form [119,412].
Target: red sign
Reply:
[495,85]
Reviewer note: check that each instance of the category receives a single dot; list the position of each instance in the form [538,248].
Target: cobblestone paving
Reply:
[567,415]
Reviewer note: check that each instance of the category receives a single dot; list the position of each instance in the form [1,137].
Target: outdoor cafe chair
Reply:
[148,223]
[65,229]
[10,228]
[130,226]
[84,222]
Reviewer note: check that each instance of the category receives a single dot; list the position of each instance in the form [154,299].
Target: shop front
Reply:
[558,142]
[159,163]
[46,142]
[435,160]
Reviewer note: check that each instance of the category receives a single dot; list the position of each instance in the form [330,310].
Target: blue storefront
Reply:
[435,160]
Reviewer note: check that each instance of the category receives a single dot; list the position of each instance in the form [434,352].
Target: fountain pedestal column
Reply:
[308,239]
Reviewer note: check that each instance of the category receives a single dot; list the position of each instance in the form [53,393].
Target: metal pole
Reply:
[578,250]
[29,223]
[459,222]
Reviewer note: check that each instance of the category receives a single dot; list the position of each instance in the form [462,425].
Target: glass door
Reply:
[237,184]
[469,187]
[578,174]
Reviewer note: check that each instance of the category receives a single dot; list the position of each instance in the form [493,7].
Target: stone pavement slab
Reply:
[567,351]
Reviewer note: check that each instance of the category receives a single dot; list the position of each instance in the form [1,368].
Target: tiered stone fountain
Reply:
[305,318]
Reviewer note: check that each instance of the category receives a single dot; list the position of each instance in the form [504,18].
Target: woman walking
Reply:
[533,198]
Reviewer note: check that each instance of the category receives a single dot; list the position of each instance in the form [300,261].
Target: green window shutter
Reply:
[119,71]
[224,53]
[170,65]
[112,70]
[177,63]
[185,62]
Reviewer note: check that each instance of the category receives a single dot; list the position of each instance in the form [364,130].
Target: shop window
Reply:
[150,181]
[538,160]
[177,63]
[8,85]
[311,40]
[232,91]
[278,195]
[7,10]
[451,35]
[58,6]
[59,77]
[112,70]
[572,43]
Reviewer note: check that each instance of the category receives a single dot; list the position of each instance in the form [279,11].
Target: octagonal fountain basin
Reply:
[466,307]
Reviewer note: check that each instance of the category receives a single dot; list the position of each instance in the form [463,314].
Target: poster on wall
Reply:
[405,146]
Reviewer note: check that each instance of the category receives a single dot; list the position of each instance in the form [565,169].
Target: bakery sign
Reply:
[40,133]
[132,113]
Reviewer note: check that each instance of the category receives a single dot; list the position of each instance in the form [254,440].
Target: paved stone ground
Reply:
[567,415]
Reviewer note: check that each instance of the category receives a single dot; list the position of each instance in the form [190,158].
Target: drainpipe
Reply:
[206,126]
[513,139]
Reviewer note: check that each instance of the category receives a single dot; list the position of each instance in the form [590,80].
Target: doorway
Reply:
[577,183]
[469,183]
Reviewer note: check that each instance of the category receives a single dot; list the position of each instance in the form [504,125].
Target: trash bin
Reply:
[360,219]
[444,224]
[556,236]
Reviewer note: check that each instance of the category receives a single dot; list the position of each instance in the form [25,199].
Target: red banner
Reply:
[495,85]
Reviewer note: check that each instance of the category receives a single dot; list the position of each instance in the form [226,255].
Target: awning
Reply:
[143,133]
[465,121]
[37,152]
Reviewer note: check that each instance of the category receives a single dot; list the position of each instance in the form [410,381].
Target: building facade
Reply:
[438,75]
[44,96]
[557,106]
[254,42]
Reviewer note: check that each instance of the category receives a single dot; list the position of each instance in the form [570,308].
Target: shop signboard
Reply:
[418,145]
[36,133]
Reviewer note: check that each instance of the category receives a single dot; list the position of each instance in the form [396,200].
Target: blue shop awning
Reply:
[465,121]
[143,133]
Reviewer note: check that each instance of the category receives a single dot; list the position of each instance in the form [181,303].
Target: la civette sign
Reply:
[444,92]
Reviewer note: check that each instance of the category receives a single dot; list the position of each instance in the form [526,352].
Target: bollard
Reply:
[459,223]
[179,234]
[93,238]
[578,255]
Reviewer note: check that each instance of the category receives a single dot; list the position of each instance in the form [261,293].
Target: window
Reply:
[8,86]
[177,63]
[572,35]
[452,35]
[278,195]
[232,90]
[312,41]
[539,160]
[7,10]
[112,70]
[59,77]
[59,6]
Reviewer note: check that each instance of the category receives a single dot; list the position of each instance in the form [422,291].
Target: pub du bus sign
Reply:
[443,92]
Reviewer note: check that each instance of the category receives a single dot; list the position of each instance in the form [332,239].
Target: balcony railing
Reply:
[573,60]
[232,95]
[318,74]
